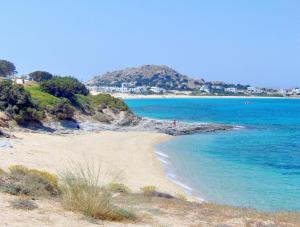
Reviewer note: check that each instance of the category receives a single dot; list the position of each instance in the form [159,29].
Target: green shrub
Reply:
[65,87]
[100,101]
[40,76]
[63,110]
[25,181]
[16,102]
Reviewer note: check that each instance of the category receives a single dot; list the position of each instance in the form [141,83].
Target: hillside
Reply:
[147,75]
[57,99]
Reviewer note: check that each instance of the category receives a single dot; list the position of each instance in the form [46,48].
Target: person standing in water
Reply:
[174,123]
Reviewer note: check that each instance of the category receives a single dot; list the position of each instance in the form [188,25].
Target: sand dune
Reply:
[129,153]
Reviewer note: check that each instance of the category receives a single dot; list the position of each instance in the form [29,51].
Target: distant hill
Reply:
[147,75]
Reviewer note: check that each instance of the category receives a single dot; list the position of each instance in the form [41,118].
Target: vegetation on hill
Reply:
[42,98]
[66,87]
[63,110]
[16,102]
[100,101]
[148,75]
[7,68]
[52,96]
[40,76]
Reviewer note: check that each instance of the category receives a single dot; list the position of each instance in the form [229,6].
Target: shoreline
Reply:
[170,174]
[172,96]
[131,153]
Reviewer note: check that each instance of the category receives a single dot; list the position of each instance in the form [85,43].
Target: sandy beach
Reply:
[128,154]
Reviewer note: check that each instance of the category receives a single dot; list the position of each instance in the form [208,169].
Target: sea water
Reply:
[256,165]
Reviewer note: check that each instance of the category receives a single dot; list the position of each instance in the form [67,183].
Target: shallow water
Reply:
[255,166]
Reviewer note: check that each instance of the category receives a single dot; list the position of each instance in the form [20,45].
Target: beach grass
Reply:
[82,192]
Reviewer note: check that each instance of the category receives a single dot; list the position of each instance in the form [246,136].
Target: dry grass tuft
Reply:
[181,197]
[148,189]
[52,178]
[83,191]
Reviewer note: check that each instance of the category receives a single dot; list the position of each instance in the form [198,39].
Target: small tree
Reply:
[40,76]
[7,68]
[65,87]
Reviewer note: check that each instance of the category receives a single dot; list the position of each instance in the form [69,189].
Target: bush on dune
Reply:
[65,87]
[63,110]
[100,101]
[16,102]
[21,180]
[118,188]
[81,192]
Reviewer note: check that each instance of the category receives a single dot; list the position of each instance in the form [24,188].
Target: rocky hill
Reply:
[148,75]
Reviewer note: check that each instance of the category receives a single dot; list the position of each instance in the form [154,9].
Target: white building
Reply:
[231,90]
[217,87]
[157,90]
[251,89]
[254,90]
[296,91]
[282,92]
[204,88]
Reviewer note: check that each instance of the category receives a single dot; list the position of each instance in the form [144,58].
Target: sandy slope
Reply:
[129,153]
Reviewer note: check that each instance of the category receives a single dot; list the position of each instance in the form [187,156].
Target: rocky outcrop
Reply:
[4,120]
[181,128]
[5,123]
[147,75]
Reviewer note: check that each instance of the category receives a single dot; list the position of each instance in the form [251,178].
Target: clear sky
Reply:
[251,42]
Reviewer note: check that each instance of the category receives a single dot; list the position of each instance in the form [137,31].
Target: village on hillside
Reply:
[210,88]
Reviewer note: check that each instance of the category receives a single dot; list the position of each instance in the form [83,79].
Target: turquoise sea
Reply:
[256,165]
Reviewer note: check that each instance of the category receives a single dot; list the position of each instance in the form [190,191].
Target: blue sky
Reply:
[251,42]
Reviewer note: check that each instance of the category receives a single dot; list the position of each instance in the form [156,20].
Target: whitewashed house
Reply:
[204,88]
[157,90]
[296,91]
[231,90]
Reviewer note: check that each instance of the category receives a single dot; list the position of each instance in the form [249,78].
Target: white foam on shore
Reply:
[186,187]
[163,161]
[172,176]
[162,154]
